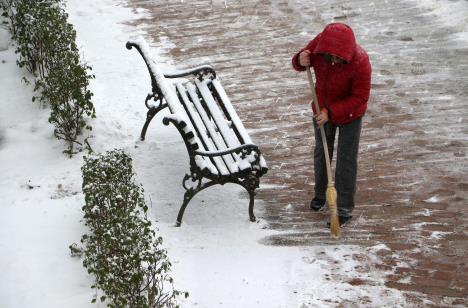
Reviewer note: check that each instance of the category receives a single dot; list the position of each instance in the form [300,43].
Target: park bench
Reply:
[219,147]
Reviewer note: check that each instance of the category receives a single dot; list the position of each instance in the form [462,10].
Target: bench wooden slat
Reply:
[218,141]
[225,131]
[200,126]
[232,114]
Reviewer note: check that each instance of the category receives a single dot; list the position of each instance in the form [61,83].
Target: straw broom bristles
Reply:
[331,201]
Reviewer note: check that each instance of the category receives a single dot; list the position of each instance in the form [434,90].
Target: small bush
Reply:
[45,42]
[69,98]
[121,250]
[40,26]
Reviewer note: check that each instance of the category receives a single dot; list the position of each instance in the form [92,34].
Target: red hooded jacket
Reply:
[343,89]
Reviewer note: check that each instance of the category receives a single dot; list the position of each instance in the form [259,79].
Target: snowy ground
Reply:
[217,254]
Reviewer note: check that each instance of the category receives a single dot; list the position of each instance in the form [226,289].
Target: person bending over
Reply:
[343,80]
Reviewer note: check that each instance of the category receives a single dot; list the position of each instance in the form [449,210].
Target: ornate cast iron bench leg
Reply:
[190,192]
[149,116]
[250,184]
[152,111]
[251,205]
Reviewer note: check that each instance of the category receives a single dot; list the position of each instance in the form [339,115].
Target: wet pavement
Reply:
[413,174]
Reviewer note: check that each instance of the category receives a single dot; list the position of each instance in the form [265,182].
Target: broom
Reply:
[331,191]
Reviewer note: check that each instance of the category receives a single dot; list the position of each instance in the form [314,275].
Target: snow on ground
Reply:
[38,219]
[216,253]
[5,36]
[452,14]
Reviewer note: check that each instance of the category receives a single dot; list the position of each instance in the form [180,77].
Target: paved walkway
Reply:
[413,176]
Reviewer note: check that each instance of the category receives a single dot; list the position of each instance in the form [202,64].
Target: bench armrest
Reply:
[244,149]
[204,69]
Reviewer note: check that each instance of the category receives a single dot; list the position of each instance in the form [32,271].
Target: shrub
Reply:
[45,42]
[121,250]
[38,27]
[69,99]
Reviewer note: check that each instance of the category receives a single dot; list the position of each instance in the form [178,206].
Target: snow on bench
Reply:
[220,149]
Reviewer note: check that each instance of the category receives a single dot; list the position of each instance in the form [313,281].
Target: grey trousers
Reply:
[346,163]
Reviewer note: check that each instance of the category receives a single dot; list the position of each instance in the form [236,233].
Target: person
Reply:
[343,78]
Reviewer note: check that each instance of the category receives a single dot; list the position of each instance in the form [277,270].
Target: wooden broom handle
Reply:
[322,131]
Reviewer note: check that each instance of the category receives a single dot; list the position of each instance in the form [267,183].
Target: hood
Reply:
[337,39]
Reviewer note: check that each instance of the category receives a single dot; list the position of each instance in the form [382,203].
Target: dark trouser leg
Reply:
[346,166]
[320,169]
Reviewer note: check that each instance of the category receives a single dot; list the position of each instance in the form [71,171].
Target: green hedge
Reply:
[121,250]
[46,44]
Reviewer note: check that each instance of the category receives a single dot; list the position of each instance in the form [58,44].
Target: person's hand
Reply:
[304,58]
[322,117]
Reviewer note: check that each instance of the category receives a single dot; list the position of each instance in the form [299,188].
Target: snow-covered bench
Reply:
[218,144]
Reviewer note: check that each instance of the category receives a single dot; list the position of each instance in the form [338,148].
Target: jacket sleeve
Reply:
[311,47]
[344,108]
